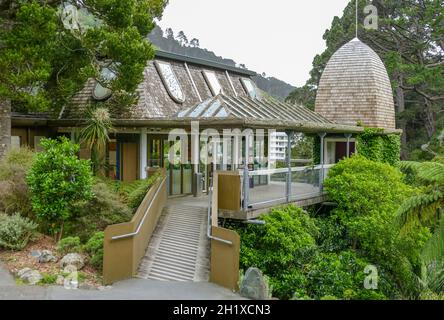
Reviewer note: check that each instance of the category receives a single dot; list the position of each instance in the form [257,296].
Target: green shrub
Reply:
[136,196]
[339,275]
[13,187]
[69,245]
[15,231]
[286,241]
[48,279]
[368,195]
[288,233]
[104,209]
[374,145]
[57,180]
[94,247]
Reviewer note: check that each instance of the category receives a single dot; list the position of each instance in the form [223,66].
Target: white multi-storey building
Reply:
[278,147]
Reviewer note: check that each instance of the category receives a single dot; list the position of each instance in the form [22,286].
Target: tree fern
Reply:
[434,248]
[425,207]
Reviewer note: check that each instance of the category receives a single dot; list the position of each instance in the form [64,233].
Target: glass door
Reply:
[179,174]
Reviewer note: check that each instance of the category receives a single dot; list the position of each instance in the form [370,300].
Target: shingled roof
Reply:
[154,99]
[355,87]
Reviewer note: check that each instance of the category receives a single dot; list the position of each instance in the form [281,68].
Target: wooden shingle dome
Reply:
[355,87]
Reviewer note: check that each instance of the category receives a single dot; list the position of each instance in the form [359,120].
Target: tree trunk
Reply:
[400,103]
[429,118]
[5,126]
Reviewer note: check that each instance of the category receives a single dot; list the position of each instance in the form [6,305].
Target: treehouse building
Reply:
[203,114]
[178,92]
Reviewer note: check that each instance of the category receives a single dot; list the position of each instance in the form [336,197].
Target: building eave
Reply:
[307,127]
[202,62]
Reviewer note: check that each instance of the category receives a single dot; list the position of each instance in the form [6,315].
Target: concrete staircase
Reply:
[179,248]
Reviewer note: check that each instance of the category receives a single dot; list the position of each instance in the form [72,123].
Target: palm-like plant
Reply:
[425,207]
[95,135]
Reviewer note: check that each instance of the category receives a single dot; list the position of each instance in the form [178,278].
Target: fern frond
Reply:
[431,171]
[409,165]
[434,248]
[421,208]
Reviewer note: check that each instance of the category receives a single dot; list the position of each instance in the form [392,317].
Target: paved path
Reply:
[133,289]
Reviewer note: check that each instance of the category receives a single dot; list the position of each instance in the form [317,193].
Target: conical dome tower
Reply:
[355,88]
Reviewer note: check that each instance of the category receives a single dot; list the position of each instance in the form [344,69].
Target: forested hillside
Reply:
[410,41]
[180,44]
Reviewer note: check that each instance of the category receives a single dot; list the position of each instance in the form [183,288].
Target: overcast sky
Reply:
[278,37]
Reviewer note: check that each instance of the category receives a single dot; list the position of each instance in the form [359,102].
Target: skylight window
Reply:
[213,83]
[170,81]
[101,92]
[250,88]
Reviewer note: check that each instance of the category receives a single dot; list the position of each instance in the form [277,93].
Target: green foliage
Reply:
[45,58]
[95,136]
[57,180]
[317,150]
[305,96]
[94,247]
[333,235]
[105,208]
[368,195]
[339,275]
[136,195]
[13,188]
[286,239]
[425,207]
[286,250]
[376,146]
[15,231]
[69,245]
[48,279]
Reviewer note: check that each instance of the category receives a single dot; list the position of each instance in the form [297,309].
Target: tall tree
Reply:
[49,48]
[182,38]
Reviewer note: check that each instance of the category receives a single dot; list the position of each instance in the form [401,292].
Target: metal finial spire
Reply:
[356,25]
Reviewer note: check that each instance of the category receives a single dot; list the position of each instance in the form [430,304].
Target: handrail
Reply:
[209,226]
[285,170]
[139,226]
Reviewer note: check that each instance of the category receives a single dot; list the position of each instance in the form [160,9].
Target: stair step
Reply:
[179,248]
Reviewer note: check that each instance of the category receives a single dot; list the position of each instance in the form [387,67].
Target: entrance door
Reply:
[179,174]
[129,161]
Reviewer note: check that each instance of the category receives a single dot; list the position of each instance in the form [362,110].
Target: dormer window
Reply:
[249,88]
[170,81]
[213,83]
[101,92]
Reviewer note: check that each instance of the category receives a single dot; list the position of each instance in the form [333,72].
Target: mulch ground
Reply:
[17,260]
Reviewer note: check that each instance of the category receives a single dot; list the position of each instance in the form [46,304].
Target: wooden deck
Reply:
[262,199]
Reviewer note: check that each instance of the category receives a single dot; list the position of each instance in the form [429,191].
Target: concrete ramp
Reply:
[179,248]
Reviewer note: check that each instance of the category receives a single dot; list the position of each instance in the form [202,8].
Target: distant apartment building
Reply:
[278,147]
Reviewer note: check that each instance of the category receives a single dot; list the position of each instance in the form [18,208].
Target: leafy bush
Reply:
[13,188]
[379,147]
[285,241]
[104,209]
[57,180]
[94,247]
[15,231]
[69,245]
[135,197]
[339,275]
[368,195]
[48,279]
